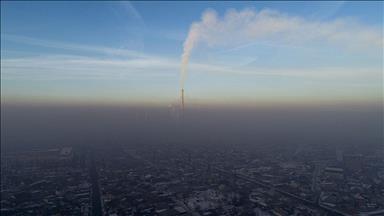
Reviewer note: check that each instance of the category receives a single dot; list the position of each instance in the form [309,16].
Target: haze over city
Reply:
[192,108]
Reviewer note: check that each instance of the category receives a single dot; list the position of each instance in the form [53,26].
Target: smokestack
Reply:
[182,100]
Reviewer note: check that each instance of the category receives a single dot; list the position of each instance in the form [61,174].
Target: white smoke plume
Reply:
[188,46]
[247,26]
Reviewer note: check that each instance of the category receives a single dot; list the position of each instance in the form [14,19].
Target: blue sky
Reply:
[130,52]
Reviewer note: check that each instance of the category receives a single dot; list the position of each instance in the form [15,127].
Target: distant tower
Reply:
[339,155]
[182,100]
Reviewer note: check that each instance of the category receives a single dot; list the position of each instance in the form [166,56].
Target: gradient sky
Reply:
[129,52]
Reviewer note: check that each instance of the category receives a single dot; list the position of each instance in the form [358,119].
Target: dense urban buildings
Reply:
[175,180]
[192,108]
[46,182]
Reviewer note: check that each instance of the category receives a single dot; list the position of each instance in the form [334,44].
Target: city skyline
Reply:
[192,108]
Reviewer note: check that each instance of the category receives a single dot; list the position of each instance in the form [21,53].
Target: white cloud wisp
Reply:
[237,28]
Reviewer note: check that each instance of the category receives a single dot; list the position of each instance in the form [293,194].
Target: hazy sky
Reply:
[253,52]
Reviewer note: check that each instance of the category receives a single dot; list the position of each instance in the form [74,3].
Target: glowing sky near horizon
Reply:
[248,52]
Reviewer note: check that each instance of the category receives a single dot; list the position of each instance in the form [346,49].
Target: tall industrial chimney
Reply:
[182,100]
